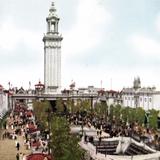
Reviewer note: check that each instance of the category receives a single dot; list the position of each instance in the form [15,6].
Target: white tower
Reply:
[52,54]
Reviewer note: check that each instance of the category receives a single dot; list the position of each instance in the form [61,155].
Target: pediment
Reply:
[21,91]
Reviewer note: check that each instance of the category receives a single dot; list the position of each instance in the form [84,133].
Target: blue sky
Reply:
[111,41]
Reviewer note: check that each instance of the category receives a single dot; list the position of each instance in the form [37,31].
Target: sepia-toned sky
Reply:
[108,41]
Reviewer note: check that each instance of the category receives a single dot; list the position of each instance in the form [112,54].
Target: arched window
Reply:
[52,26]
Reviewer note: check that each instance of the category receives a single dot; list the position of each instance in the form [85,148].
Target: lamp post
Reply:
[49,129]
[158,121]
[146,119]
[91,104]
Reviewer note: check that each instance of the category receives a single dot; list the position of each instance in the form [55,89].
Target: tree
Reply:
[153,118]
[101,109]
[60,105]
[86,105]
[117,111]
[139,115]
[70,105]
[125,114]
[41,110]
[64,145]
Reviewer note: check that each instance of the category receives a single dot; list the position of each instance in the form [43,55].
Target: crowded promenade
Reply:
[20,136]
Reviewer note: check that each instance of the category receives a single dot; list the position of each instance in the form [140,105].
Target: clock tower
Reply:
[52,54]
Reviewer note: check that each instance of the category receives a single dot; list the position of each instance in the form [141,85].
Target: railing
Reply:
[56,95]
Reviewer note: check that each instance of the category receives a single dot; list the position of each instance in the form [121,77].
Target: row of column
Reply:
[52,67]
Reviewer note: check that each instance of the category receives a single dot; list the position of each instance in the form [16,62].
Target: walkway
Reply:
[8,150]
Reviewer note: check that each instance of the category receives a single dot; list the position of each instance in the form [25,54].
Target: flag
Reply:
[29,84]
[9,83]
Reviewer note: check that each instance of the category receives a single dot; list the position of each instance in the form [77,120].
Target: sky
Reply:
[106,42]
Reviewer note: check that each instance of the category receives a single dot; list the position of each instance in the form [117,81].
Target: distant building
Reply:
[39,88]
[3,102]
[113,97]
[89,90]
[137,96]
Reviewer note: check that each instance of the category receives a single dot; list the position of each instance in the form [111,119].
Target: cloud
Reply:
[145,45]
[157,23]
[11,36]
[88,31]
[21,76]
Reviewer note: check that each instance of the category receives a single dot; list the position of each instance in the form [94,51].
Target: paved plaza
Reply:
[8,149]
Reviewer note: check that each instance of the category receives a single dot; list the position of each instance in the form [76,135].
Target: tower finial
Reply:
[52,3]
[52,9]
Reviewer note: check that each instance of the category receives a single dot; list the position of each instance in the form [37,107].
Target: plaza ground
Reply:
[8,150]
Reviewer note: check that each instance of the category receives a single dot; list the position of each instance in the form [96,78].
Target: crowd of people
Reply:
[116,128]
[21,122]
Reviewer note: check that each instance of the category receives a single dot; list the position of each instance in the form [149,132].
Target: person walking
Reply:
[18,146]
[17,156]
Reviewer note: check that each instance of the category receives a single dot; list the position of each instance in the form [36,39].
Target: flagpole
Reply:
[101,84]
[9,84]
[111,83]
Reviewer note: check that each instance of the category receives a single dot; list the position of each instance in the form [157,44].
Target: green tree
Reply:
[85,105]
[101,109]
[139,115]
[153,118]
[64,146]
[42,111]
[59,105]
[111,112]
[125,114]
[70,105]
[117,111]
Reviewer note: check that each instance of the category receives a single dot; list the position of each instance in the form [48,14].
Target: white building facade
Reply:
[3,102]
[52,54]
[147,98]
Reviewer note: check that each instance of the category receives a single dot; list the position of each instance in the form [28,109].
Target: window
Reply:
[145,99]
[52,26]
[150,99]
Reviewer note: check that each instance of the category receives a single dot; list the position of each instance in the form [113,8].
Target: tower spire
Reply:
[52,8]
[52,20]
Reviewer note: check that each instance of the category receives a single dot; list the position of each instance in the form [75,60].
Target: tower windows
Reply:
[52,26]
[150,99]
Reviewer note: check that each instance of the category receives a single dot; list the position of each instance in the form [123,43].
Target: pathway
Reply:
[8,150]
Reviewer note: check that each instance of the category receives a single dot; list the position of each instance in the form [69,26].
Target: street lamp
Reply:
[49,128]
[158,121]
[146,119]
